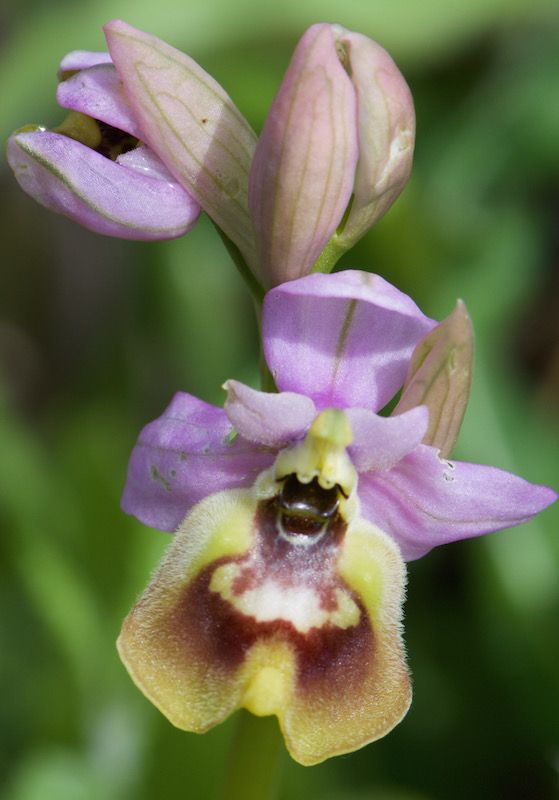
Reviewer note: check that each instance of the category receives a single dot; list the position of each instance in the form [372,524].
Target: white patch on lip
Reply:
[299,605]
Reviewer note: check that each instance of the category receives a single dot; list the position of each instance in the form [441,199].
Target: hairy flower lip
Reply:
[231,619]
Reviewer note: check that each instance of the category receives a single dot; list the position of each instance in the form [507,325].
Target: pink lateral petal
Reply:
[379,443]
[426,501]
[268,418]
[98,93]
[183,456]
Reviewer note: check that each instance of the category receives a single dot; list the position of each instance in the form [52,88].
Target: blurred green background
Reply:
[96,335]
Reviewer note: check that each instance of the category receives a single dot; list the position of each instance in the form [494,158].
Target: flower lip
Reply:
[311,634]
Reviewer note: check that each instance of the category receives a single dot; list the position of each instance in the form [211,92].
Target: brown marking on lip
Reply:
[327,657]
[222,635]
[273,557]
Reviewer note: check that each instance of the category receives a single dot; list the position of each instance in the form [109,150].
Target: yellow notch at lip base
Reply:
[269,673]
[265,693]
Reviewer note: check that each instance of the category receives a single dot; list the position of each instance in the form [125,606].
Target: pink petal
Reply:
[71,179]
[98,93]
[426,501]
[81,59]
[265,418]
[183,456]
[379,443]
[345,340]
[143,160]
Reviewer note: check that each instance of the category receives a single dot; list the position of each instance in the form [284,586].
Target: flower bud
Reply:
[385,129]
[303,168]
[93,168]
[440,376]
[335,152]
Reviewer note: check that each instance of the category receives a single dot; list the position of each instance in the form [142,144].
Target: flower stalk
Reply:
[254,766]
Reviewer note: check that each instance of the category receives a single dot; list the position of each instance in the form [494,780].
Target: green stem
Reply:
[267,383]
[329,257]
[256,290]
[254,759]
[333,251]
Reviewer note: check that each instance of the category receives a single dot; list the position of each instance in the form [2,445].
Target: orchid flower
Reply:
[94,168]
[151,137]
[295,512]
